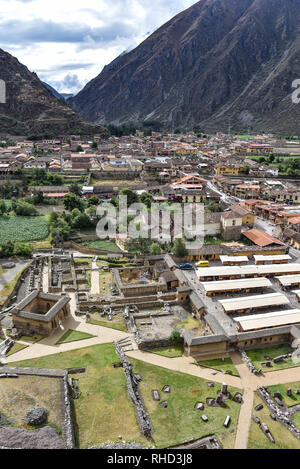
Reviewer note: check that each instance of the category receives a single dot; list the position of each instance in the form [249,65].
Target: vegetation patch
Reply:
[103,411]
[33,340]
[219,365]
[174,351]
[114,324]
[16,348]
[19,395]
[259,356]
[180,422]
[18,229]
[74,336]
[103,245]
[258,440]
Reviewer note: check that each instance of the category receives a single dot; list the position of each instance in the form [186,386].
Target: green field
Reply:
[258,357]
[257,439]
[74,336]
[290,401]
[218,364]
[16,348]
[99,244]
[21,229]
[170,352]
[105,412]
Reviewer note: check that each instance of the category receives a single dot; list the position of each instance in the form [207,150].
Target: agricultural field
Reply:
[21,229]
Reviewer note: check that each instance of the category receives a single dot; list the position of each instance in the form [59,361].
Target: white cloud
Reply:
[67,43]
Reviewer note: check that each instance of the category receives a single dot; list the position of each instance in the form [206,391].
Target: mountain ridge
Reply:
[219,63]
[31,108]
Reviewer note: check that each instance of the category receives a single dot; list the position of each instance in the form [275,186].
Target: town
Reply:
[146,342]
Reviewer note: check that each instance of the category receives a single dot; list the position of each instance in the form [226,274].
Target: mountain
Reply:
[58,95]
[53,90]
[219,63]
[32,109]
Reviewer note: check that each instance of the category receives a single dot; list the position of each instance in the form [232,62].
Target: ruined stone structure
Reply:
[40,313]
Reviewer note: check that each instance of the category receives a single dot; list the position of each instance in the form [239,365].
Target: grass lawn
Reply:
[99,244]
[19,395]
[282,388]
[218,364]
[180,422]
[258,356]
[257,440]
[74,336]
[105,412]
[170,352]
[16,348]
[33,340]
[21,229]
[117,325]
[82,260]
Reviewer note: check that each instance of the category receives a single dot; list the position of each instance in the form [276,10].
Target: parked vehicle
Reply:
[186,266]
[202,264]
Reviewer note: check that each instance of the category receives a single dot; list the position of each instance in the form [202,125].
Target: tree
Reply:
[132,196]
[75,189]
[26,210]
[72,201]
[93,201]
[155,249]
[180,249]
[82,221]
[38,198]
[23,250]
[7,249]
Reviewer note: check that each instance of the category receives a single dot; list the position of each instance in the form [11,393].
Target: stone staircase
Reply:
[128,344]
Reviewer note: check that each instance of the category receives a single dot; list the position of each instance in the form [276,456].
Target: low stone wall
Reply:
[68,414]
[134,394]
[34,372]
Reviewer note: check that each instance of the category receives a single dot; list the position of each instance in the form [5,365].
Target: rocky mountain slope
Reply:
[220,63]
[31,109]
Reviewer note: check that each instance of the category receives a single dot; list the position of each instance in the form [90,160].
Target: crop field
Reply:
[21,229]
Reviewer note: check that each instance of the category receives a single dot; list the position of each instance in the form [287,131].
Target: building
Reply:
[41,313]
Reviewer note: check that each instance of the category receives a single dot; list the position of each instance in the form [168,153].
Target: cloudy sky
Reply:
[68,42]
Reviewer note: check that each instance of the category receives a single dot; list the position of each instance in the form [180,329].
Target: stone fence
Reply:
[132,382]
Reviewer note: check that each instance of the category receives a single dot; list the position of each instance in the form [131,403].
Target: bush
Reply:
[175,336]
